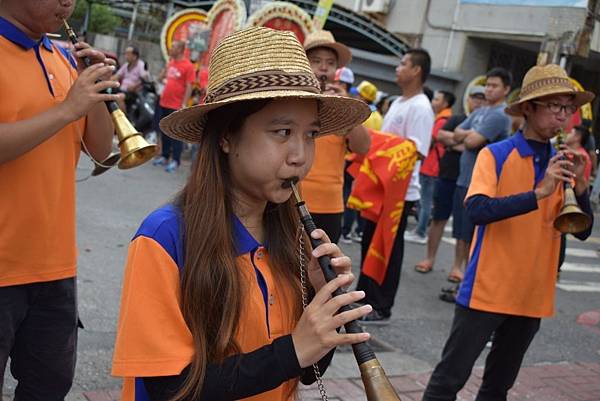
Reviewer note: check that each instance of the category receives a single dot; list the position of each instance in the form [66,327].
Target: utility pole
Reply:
[86,18]
[133,18]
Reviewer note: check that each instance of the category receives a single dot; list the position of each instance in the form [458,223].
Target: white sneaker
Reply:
[356,237]
[346,239]
[414,238]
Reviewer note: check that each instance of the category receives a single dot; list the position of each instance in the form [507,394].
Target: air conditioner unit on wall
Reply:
[375,6]
[356,5]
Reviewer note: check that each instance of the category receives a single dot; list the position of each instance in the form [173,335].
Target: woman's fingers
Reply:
[320,234]
[354,314]
[324,294]
[336,303]
[349,339]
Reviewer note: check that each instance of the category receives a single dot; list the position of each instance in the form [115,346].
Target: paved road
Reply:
[111,207]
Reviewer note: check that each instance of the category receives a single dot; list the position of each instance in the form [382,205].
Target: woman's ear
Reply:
[225,146]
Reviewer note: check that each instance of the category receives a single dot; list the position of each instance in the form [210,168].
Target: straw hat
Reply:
[547,80]
[262,63]
[325,39]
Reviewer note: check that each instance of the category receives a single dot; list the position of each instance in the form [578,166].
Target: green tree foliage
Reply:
[102,19]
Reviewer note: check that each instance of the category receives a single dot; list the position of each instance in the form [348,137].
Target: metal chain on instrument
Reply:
[304,286]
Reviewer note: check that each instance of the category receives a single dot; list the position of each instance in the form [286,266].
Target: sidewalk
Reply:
[548,382]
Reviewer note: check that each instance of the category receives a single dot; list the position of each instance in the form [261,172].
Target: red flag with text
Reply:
[380,185]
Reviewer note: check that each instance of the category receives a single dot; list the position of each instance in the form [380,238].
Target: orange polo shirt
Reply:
[37,206]
[152,336]
[513,262]
[322,188]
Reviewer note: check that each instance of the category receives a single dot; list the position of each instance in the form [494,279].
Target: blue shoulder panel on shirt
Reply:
[67,54]
[501,150]
[163,226]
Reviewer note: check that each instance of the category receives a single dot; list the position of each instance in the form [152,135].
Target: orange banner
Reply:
[379,190]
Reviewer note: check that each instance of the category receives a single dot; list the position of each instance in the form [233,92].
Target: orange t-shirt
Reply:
[513,262]
[322,188]
[152,336]
[37,206]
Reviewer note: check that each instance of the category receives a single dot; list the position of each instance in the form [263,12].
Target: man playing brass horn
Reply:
[515,195]
[48,107]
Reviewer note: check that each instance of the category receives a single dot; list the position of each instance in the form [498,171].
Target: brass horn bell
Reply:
[135,150]
[571,218]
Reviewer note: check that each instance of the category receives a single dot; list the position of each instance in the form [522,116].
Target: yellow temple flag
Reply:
[321,13]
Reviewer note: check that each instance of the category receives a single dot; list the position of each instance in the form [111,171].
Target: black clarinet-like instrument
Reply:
[377,385]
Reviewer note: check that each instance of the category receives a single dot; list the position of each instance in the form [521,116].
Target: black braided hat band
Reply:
[264,80]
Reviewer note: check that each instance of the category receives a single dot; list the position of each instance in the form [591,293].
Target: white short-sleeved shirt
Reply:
[413,119]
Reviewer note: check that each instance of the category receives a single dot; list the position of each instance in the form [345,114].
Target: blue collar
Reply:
[244,241]
[523,147]
[15,35]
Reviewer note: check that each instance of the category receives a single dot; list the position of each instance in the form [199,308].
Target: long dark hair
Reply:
[210,274]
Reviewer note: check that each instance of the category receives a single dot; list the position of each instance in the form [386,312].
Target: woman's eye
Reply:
[313,134]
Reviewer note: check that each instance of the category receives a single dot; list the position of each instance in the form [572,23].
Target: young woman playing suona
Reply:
[212,297]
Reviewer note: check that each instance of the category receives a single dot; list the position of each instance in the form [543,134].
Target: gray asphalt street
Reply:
[110,208]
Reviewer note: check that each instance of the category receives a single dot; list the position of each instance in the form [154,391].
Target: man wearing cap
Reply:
[516,192]
[323,186]
[409,116]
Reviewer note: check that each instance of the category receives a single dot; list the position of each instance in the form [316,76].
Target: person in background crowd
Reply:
[345,77]
[131,75]
[444,188]
[441,103]
[368,92]
[590,146]
[179,75]
[322,188]
[578,140]
[445,184]
[50,107]
[428,92]
[485,125]
[409,116]
[384,104]
[515,190]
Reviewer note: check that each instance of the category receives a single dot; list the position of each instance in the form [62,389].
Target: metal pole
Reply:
[86,19]
[170,9]
[133,18]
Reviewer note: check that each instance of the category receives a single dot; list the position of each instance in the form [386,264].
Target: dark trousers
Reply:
[381,297]
[350,215]
[331,223]
[38,330]
[470,332]
[170,146]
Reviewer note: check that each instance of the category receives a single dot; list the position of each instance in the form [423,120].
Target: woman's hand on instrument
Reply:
[340,263]
[559,170]
[315,334]
[82,50]
[85,92]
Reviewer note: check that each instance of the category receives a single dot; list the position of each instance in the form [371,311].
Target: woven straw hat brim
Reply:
[581,98]
[337,114]
[343,52]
